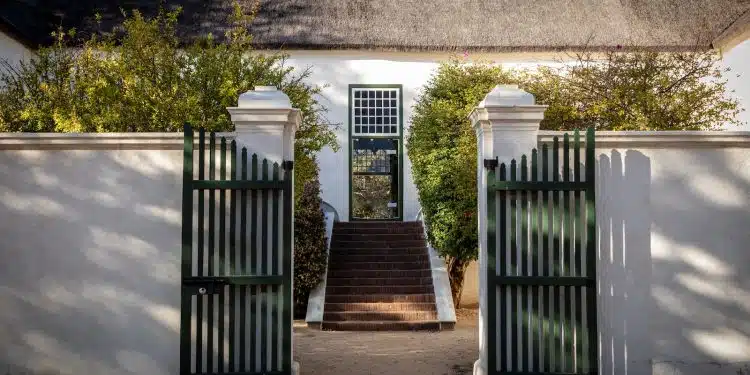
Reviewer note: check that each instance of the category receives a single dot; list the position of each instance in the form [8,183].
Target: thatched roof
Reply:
[487,25]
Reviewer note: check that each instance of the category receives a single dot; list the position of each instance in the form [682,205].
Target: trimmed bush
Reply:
[310,250]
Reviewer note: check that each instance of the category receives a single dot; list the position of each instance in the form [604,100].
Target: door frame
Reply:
[400,200]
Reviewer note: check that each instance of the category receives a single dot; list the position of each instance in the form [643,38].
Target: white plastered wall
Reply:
[11,50]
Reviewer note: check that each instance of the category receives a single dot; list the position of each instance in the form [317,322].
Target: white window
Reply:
[375,111]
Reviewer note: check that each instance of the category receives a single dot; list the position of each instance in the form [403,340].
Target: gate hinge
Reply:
[490,163]
[287,165]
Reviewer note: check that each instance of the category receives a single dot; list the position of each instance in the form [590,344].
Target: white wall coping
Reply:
[662,139]
[93,141]
[316,300]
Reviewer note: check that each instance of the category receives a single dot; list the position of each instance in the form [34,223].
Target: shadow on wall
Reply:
[89,282]
[673,285]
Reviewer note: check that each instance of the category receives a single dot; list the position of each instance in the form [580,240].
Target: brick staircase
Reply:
[379,278]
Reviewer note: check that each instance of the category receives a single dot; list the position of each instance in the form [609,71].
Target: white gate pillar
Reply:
[507,125]
[265,123]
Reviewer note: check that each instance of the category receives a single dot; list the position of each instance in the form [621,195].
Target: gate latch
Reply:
[204,285]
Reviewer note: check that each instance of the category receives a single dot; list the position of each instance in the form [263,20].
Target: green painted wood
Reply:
[503,336]
[578,238]
[565,259]
[254,303]
[222,254]
[524,261]
[521,186]
[238,185]
[243,290]
[233,290]
[276,252]
[591,312]
[535,292]
[545,256]
[211,253]
[264,291]
[287,268]
[201,261]
[187,249]
[558,281]
[556,358]
[491,272]
[513,291]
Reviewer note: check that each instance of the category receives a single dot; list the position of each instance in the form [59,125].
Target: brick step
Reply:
[380,298]
[360,281]
[347,258]
[376,289]
[344,273]
[378,244]
[378,224]
[429,325]
[380,306]
[401,266]
[359,316]
[379,237]
[377,231]
[404,251]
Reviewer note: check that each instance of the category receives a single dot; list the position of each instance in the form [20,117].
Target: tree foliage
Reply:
[139,77]
[310,242]
[619,91]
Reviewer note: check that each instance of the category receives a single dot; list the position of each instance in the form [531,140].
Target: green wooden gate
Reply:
[236,309]
[541,262]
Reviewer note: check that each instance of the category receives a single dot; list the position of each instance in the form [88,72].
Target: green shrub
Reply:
[310,243]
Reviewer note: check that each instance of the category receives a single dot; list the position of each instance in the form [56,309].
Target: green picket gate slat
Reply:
[542,230]
[236,279]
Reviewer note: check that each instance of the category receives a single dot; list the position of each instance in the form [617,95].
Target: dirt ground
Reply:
[388,353]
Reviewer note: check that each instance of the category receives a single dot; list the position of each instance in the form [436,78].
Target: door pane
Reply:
[375,173]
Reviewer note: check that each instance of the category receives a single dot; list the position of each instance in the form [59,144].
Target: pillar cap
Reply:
[264,97]
[506,95]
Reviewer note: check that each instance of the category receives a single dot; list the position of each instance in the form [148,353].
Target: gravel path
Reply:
[389,353]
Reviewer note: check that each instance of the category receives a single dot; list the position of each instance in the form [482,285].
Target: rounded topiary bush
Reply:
[310,244]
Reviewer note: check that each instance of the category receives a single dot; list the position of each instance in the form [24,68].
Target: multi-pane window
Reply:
[375,111]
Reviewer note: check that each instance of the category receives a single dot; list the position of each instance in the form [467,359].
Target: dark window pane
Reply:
[364,120]
[387,120]
[371,95]
[372,112]
[379,129]
[393,129]
[380,103]
[372,102]
[364,94]
[393,103]
[356,94]
[356,111]
[372,120]
[372,129]
[356,129]
[356,103]
[386,94]
[379,120]
[379,94]
[394,120]
[387,111]
[379,112]
[356,120]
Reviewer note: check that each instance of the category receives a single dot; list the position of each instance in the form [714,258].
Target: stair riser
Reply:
[380,298]
[357,281]
[369,274]
[379,316]
[379,307]
[416,289]
[378,244]
[378,224]
[406,258]
[379,237]
[403,251]
[378,231]
[401,266]
[386,326]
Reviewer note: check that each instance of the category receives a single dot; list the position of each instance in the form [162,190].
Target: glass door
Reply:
[375,178]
